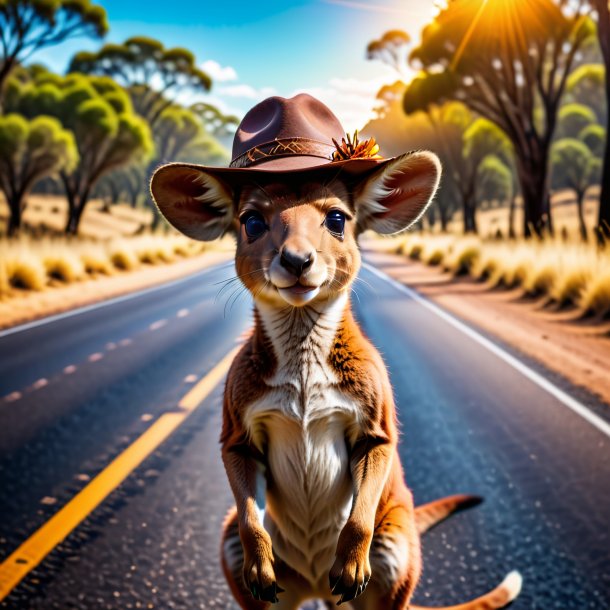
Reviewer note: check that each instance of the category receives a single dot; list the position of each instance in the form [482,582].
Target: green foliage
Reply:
[495,180]
[29,151]
[135,63]
[572,119]
[574,165]
[484,138]
[586,86]
[27,26]
[107,132]
[471,53]
[594,136]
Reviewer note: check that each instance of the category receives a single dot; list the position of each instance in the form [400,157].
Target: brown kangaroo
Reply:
[309,436]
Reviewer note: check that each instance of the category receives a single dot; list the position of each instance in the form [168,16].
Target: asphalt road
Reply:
[80,389]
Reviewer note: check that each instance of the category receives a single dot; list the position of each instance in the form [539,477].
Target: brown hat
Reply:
[296,137]
[293,135]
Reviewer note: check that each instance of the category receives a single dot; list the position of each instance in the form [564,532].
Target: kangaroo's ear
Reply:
[395,196]
[195,202]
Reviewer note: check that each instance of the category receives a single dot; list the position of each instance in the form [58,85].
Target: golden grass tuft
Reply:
[567,273]
[595,298]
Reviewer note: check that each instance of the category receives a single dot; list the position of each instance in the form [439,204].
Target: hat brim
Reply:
[287,166]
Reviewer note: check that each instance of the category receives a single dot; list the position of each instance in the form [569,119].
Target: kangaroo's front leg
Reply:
[370,465]
[242,471]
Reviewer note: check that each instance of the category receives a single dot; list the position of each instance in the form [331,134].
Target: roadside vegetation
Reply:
[28,264]
[561,274]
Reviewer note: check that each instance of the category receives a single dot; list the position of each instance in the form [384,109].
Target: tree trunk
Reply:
[580,196]
[469,214]
[511,218]
[603,221]
[5,70]
[533,178]
[14,220]
[76,207]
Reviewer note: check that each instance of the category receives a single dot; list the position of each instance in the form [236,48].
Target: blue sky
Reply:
[256,49]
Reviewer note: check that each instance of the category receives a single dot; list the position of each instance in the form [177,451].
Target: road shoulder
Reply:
[578,351]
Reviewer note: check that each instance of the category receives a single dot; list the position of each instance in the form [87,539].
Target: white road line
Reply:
[564,398]
[95,357]
[41,383]
[182,313]
[94,306]
[13,396]
[70,369]
[157,325]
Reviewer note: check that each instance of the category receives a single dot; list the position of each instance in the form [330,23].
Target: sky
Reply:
[253,50]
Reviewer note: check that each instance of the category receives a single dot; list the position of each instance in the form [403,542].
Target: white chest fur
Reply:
[302,424]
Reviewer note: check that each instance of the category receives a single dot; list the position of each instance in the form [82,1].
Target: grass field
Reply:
[567,274]
[46,214]
[565,219]
[28,264]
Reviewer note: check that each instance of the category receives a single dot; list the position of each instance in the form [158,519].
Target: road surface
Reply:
[79,390]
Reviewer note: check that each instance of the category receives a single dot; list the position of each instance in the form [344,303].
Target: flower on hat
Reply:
[352,148]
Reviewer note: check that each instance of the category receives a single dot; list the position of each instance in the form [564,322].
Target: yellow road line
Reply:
[31,552]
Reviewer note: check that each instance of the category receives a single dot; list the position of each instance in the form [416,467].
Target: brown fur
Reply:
[378,540]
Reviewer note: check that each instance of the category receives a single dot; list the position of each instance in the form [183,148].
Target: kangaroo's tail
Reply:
[431,514]
[500,597]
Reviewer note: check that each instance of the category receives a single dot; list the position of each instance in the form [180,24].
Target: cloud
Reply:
[246,92]
[351,99]
[218,73]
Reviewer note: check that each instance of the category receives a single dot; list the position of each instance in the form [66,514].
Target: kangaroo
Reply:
[309,434]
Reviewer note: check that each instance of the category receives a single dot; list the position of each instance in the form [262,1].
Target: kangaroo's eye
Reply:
[335,222]
[254,224]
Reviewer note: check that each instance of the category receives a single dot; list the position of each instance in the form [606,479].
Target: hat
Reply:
[301,137]
[293,135]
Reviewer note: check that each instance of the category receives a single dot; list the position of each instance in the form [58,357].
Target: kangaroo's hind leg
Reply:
[395,562]
[232,556]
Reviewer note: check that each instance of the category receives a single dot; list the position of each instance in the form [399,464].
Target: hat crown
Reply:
[279,118]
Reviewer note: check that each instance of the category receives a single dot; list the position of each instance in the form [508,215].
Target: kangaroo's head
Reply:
[297,232]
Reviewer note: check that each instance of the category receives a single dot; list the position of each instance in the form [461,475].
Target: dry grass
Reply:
[29,264]
[566,273]
[47,214]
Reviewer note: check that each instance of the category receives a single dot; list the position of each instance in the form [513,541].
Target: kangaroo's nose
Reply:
[295,263]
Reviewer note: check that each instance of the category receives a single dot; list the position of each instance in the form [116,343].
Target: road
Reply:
[81,389]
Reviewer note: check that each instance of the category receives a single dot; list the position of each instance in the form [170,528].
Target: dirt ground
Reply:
[33,305]
[577,349]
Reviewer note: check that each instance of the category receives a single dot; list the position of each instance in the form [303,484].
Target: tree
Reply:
[141,61]
[574,166]
[594,136]
[586,86]
[27,26]
[390,49]
[572,119]
[602,8]
[509,62]
[29,151]
[495,180]
[99,113]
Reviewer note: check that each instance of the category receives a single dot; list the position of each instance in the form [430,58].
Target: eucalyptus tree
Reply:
[586,85]
[602,8]
[154,76]
[99,113]
[574,166]
[29,151]
[26,26]
[572,119]
[509,62]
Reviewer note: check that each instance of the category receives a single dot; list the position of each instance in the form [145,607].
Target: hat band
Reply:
[286,147]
